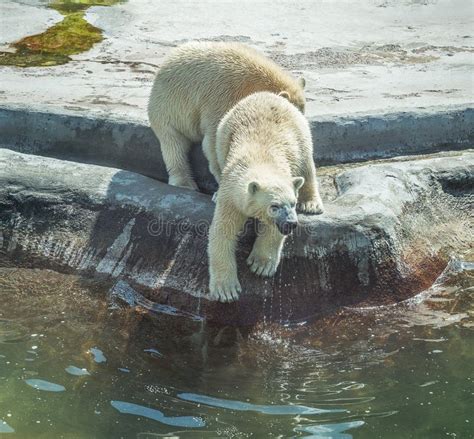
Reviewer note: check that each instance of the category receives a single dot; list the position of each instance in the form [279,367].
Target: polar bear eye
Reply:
[274,208]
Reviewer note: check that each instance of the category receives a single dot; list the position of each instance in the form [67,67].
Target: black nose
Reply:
[288,226]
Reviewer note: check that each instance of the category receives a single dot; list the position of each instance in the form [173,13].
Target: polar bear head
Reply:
[273,201]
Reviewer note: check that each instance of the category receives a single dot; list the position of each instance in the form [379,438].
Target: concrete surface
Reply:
[387,233]
[371,57]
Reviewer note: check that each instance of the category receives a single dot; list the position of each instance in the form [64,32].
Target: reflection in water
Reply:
[98,355]
[391,372]
[122,292]
[334,431]
[45,385]
[246,406]
[73,370]
[5,428]
[156,415]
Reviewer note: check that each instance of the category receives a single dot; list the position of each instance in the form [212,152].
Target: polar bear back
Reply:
[261,128]
[200,81]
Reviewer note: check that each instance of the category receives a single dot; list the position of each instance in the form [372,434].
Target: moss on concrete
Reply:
[54,46]
[69,6]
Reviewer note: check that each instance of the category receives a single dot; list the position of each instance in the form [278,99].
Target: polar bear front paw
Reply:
[265,267]
[311,207]
[224,290]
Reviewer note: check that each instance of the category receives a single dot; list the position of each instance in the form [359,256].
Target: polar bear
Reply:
[266,170]
[196,85]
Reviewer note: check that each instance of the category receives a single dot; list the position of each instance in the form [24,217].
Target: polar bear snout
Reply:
[285,219]
[287,227]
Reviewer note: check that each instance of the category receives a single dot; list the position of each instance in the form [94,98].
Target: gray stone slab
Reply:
[131,145]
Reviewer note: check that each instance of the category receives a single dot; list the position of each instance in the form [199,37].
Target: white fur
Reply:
[195,86]
[263,149]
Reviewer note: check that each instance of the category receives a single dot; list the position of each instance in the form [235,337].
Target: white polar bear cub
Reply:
[265,164]
[195,86]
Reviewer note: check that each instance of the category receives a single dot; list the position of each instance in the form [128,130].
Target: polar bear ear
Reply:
[297,183]
[302,82]
[284,94]
[253,187]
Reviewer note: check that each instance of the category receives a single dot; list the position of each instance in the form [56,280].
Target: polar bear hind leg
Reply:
[209,148]
[175,151]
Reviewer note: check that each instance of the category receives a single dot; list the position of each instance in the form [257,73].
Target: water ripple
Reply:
[333,431]
[146,412]
[12,332]
[246,406]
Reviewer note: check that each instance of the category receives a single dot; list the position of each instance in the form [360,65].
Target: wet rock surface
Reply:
[388,232]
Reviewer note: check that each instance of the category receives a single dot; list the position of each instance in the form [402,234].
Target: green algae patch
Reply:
[53,47]
[67,6]
[71,36]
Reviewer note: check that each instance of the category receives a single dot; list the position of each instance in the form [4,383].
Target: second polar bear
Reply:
[195,86]
[265,156]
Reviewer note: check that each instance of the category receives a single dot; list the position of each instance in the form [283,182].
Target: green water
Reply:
[77,362]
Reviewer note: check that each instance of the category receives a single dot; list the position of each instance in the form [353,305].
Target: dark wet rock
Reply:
[387,235]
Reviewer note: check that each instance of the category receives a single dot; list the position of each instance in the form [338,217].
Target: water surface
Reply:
[77,362]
